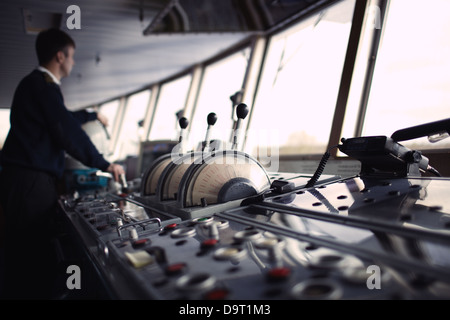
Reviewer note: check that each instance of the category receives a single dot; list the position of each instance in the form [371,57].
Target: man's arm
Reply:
[84,116]
[68,134]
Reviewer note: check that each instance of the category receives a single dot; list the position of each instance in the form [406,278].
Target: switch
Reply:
[139,259]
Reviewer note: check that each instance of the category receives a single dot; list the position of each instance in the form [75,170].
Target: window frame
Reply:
[258,45]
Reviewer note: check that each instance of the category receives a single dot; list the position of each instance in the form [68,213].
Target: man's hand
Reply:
[102,118]
[116,170]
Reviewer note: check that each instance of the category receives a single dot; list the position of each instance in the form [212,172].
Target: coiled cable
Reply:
[320,168]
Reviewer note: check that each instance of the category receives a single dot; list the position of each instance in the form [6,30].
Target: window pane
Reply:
[4,125]
[109,110]
[172,98]
[130,133]
[411,84]
[300,81]
[220,81]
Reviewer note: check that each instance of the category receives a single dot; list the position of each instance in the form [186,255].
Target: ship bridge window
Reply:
[300,81]
[109,110]
[130,131]
[411,82]
[221,80]
[171,100]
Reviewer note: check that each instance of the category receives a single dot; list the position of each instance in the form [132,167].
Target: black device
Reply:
[380,154]
[433,130]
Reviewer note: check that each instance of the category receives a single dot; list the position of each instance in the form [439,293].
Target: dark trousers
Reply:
[29,200]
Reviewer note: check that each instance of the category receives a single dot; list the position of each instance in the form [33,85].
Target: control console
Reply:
[234,231]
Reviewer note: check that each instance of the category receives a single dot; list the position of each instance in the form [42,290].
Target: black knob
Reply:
[212,118]
[183,122]
[242,110]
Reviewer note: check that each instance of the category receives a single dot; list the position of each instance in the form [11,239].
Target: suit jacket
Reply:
[42,129]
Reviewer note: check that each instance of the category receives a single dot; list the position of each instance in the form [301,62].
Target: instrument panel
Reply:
[214,225]
[353,238]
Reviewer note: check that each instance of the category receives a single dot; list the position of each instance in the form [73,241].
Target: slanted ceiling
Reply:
[113,56]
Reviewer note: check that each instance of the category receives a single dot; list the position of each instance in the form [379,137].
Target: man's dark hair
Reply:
[49,42]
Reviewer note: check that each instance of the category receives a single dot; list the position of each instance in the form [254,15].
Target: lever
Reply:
[435,131]
[183,122]
[241,112]
[122,178]
[123,181]
[212,118]
[103,174]
[236,98]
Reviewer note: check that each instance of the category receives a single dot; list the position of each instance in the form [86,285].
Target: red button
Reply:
[170,226]
[217,294]
[175,268]
[140,242]
[209,243]
[281,273]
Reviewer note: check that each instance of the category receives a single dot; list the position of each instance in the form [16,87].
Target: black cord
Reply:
[320,168]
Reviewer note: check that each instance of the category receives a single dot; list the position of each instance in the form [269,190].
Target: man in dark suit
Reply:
[42,130]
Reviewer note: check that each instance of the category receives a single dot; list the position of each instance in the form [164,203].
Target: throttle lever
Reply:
[241,112]
[212,119]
